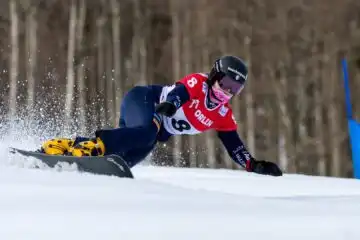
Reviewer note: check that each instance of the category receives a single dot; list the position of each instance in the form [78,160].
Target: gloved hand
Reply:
[166,108]
[264,167]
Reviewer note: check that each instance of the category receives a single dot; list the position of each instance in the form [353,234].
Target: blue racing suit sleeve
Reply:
[178,96]
[236,148]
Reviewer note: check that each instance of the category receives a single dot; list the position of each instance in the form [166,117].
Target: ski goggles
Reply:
[229,85]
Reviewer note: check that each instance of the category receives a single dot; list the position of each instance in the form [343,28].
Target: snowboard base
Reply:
[111,165]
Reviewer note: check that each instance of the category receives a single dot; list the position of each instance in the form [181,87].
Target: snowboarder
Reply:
[150,114]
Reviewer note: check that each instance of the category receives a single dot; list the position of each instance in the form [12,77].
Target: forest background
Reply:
[65,65]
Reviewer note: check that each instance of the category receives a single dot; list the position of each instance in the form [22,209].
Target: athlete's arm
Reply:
[236,148]
[238,152]
[174,100]
[178,96]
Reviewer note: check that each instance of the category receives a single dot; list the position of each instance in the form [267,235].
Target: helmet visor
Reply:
[229,85]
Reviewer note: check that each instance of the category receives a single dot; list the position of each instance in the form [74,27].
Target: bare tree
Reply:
[250,113]
[139,51]
[109,83]
[291,109]
[70,65]
[176,68]
[101,77]
[31,50]
[285,123]
[301,105]
[14,60]
[80,71]
[318,116]
[333,115]
[209,136]
[115,6]
[337,137]
[188,58]
[224,49]
[142,30]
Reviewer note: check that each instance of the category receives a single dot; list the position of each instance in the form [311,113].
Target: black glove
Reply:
[265,168]
[166,108]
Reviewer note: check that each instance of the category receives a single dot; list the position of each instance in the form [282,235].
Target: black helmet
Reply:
[231,67]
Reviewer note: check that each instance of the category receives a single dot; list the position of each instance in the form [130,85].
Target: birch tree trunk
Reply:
[135,55]
[320,132]
[282,91]
[81,67]
[285,127]
[70,67]
[14,58]
[187,62]
[302,105]
[209,135]
[318,116]
[176,69]
[228,162]
[334,121]
[250,112]
[142,42]
[100,22]
[109,83]
[115,6]
[31,46]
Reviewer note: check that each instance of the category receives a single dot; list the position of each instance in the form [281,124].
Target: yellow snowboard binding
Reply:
[57,146]
[93,147]
[65,146]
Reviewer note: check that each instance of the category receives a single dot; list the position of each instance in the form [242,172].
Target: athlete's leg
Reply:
[136,136]
[140,124]
[132,157]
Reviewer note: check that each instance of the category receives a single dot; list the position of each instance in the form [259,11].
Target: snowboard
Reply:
[110,165]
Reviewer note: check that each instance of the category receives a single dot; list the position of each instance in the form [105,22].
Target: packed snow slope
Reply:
[173,203]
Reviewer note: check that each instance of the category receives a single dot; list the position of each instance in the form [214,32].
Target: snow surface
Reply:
[172,203]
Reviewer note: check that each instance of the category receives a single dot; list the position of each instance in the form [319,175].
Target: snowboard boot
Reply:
[57,146]
[93,147]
